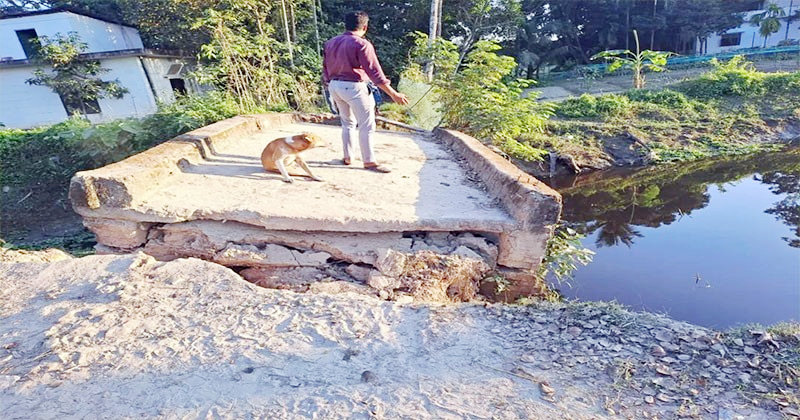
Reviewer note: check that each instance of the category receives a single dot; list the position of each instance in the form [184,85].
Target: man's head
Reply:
[356,21]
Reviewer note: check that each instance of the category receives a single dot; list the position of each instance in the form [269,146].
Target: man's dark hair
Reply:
[354,21]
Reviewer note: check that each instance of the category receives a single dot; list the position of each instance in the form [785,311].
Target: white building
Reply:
[149,76]
[747,35]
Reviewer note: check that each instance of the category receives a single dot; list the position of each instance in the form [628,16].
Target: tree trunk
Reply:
[286,32]
[316,26]
[433,32]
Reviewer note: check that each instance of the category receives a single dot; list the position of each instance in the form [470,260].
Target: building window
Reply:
[730,40]
[28,39]
[178,86]
[77,106]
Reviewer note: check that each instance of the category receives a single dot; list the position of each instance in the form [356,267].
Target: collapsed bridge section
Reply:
[204,194]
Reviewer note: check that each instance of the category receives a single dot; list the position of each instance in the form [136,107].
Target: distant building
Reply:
[149,76]
[747,35]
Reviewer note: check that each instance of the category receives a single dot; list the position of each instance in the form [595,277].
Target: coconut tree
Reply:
[768,21]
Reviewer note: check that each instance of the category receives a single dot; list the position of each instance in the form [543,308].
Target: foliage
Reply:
[589,107]
[480,97]
[244,59]
[638,61]
[188,113]
[736,77]
[563,254]
[73,78]
[768,22]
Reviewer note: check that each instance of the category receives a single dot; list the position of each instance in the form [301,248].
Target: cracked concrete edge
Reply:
[529,201]
[114,185]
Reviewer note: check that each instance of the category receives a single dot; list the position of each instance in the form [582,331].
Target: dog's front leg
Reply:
[281,167]
[303,165]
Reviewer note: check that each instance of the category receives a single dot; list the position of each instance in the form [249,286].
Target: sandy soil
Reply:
[127,336]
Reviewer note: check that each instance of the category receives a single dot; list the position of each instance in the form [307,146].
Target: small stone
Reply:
[649,399]
[546,388]
[719,348]
[528,358]
[663,397]
[648,391]
[574,331]
[404,299]
[684,357]
[695,392]
[739,342]
[383,294]
[749,350]
[368,377]
[294,382]
[658,351]
[663,335]
[663,370]
[670,347]
[668,360]
[379,281]
[744,377]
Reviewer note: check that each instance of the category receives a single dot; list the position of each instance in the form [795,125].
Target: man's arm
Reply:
[396,96]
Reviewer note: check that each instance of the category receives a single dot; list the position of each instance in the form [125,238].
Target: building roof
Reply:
[63,10]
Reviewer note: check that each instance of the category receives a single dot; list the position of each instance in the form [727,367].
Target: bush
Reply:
[186,114]
[590,107]
[666,97]
[736,77]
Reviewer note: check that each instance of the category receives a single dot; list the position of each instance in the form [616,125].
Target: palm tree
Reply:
[768,22]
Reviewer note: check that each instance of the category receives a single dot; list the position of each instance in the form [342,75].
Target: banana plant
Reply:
[638,61]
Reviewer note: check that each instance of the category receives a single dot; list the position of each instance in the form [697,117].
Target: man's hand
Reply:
[400,98]
[396,96]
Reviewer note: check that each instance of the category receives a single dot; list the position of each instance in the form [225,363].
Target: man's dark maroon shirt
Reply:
[351,58]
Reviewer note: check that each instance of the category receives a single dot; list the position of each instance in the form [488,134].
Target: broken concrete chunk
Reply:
[478,244]
[390,262]
[465,252]
[270,255]
[118,233]
[358,272]
[380,282]
[439,239]
[311,258]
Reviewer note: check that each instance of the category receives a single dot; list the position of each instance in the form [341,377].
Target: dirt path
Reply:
[127,336]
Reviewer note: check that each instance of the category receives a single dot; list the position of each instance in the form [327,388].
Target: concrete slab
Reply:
[440,182]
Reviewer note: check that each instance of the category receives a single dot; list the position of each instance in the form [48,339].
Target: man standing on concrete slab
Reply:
[349,62]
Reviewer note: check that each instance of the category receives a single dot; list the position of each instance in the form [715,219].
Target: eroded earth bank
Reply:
[122,336]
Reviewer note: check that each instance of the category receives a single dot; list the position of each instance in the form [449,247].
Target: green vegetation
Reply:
[637,62]
[74,79]
[730,110]
[480,97]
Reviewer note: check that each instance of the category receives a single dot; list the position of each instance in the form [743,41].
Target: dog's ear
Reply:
[313,139]
[301,143]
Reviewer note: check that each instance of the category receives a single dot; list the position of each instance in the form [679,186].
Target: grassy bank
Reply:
[730,110]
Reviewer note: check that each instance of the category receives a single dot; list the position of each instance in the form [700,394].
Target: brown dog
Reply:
[284,151]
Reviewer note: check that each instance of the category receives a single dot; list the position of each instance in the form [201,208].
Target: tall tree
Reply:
[75,79]
[768,21]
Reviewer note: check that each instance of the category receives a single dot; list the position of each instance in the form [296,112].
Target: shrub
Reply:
[584,106]
[736,77]
[666,97]
[590,107]
[481,98]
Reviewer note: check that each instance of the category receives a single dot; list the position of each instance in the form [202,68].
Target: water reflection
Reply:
[704,242]
[615,202]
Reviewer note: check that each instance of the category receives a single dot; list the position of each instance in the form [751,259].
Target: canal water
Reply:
[713,243]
